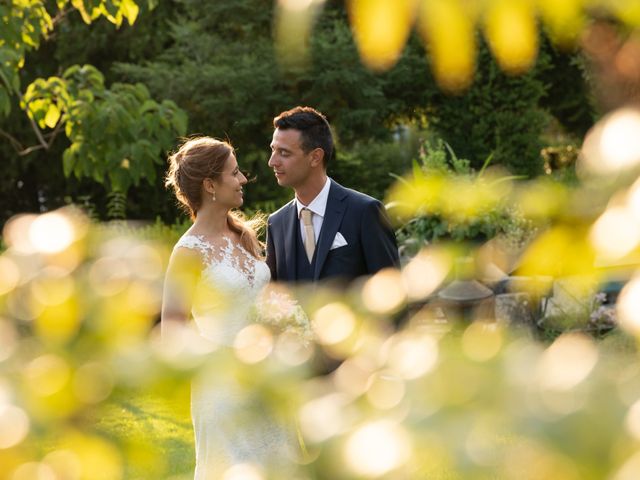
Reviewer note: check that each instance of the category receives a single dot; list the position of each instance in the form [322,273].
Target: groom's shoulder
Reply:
[281,211]
[356,197]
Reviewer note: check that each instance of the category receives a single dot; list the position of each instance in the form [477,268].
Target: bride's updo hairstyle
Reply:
[204,157]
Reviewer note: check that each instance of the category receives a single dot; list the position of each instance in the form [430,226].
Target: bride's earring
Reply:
[213,196]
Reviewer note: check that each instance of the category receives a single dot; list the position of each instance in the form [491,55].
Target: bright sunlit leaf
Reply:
[52,116]
[510,27]
[59,323]
[628,11]
[293,25]
[560,251]
[381,29]
[130,10]
[449,31]
[417,196]
[563,18]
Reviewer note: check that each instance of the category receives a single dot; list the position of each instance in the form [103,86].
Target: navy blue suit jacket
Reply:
[362,221]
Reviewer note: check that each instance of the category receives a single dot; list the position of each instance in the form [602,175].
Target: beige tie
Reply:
[309,235]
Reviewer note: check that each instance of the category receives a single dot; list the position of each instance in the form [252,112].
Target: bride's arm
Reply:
[180,285]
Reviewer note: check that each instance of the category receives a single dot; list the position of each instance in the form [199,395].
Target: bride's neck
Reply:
[211,220]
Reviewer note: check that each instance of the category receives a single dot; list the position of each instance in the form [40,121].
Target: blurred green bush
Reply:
[503,220]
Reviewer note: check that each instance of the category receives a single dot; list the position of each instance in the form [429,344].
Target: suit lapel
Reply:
[330,224]
[290,224]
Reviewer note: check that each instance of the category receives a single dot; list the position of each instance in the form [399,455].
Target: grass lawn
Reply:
[154,434]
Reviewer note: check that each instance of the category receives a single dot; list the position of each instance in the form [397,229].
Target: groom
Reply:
[327,231]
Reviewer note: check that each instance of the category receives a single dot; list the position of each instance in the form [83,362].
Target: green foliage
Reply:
[157,232]
[498,115]
[88,386]
[368,166]
[24,24]
[117,205]
[116,135]
[99,144]
[436,157]
[568,97]
[217,62]
[234,64]
[22,27]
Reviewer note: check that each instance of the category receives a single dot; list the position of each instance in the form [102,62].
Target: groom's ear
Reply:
[317,157]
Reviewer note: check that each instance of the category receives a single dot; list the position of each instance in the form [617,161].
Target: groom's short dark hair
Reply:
[313,126]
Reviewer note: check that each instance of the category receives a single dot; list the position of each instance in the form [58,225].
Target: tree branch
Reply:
[23,151]
[60,15]
[14,142]
[34,125]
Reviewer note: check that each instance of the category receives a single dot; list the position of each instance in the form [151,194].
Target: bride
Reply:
[219,293]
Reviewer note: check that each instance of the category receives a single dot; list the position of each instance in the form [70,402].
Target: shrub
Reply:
[505,221]
[498,115]
[367,166]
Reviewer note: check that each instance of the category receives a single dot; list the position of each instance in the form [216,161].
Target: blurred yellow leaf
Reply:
[59,323]
[510,28]
[48,392]
[542,199]
[473,197]
[561,251]
[421,195]
[79,5]
[381,29]
[120,321]
[563,18]
[10,459]
[449,31]
[293,24]
[627,10]
[98,459]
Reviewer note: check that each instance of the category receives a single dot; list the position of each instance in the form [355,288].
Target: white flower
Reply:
[277,309]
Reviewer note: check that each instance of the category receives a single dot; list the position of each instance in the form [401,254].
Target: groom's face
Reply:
[290,163]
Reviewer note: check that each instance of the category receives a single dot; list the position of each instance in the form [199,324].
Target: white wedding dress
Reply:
[231,426]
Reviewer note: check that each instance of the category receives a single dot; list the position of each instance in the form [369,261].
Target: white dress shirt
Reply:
[318,206]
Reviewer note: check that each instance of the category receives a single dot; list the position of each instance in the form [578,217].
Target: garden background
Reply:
[501,134]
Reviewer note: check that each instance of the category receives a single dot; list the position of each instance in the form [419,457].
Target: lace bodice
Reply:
[230,281]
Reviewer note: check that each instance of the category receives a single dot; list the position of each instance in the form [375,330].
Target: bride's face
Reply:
[228,185]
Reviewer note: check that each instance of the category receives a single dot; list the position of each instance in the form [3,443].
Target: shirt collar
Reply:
[319,204]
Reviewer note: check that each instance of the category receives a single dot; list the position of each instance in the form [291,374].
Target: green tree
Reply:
[219,65]
[115,135]
[499,115]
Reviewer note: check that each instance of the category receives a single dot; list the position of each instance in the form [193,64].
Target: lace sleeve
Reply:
[193,242]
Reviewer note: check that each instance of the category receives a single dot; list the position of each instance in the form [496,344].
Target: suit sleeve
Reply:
[271,253]
[379,245]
